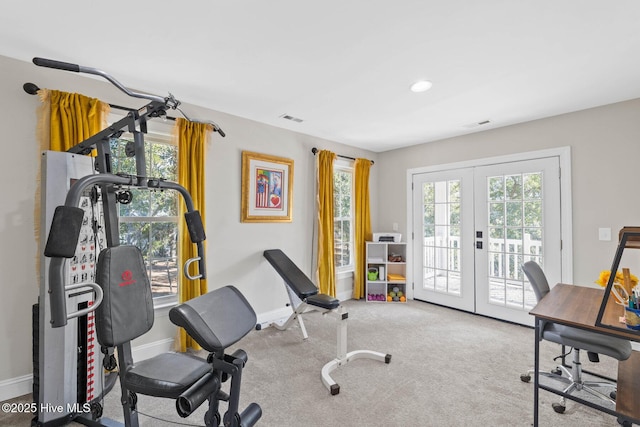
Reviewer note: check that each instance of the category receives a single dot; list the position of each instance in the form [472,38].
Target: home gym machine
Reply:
[95,294]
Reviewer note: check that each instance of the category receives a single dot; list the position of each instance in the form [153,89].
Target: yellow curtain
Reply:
[192,141]
[326,266]
[71,117]
[64,120]
[362,225]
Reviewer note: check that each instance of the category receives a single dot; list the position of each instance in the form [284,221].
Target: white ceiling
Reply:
[345,66]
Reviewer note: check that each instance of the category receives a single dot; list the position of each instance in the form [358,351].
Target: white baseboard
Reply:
[345,295]
[265,319]
[15,387]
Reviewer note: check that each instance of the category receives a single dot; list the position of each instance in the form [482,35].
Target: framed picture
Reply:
[267,188]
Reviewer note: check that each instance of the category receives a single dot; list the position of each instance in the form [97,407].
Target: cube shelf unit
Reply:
[389,260]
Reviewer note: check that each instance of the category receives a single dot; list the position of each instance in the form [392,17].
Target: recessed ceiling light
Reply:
[421,86]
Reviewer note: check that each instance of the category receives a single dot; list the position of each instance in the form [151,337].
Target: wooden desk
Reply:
[578,306]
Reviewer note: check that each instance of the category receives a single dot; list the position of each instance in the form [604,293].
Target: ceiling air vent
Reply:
[475,125]
[293,119]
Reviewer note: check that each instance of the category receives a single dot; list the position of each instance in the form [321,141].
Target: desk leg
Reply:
[628,396]
[536,372]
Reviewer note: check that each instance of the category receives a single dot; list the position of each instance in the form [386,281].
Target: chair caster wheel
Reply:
[624,423]
[557,371]
[525,378]
[613,394]
[558,407]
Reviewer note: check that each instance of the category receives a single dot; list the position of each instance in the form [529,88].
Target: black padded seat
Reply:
[323,301]
[166,375]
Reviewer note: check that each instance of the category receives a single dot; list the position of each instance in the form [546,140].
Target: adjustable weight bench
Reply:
[304,294]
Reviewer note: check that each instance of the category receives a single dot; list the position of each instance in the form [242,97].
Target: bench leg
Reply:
[297,314]
[343,357]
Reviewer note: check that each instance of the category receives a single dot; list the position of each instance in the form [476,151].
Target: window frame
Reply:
[346,166]
[159,301]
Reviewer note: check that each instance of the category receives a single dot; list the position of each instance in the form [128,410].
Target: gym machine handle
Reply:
[194,224]
[58,295]
[99,295]
[186,268]
[59,65]
[170,101]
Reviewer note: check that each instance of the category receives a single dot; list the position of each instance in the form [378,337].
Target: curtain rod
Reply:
[32,89]
[314,150]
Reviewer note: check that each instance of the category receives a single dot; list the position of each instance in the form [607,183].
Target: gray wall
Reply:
[234,249]
[605,151]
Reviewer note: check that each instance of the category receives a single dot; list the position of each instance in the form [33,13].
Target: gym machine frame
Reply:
[135,122]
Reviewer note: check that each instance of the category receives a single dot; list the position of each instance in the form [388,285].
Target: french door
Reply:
[474,227]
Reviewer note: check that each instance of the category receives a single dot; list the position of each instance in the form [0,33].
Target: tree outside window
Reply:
[343,217]
[150,220]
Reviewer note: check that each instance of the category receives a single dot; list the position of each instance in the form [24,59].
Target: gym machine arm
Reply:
[63,239]
[169,101]
[134,122]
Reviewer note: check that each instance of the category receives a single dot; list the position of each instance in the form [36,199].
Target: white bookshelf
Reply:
[389,260]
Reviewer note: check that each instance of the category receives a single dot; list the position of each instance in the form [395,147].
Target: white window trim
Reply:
[346,165]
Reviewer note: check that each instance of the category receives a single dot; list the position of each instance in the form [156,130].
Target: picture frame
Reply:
[267,188]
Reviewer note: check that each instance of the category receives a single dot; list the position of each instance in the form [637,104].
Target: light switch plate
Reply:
[604,234]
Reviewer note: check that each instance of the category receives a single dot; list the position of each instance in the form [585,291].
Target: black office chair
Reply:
[579,339]
[215,320]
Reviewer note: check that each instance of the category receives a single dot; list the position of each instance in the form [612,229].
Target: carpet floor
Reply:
[448,368]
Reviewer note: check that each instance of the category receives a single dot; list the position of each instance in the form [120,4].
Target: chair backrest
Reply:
[126,311]
[537,279]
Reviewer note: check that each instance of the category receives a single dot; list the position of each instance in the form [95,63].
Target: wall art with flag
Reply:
[267,188]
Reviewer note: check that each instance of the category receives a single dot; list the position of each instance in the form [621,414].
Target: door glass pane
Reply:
[496,214]
[441,236]
[513,187]
[496,188]
[515,236]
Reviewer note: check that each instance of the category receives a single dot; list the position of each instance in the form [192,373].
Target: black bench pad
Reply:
[298,281]
[166,375]
[216,319]
[323,301]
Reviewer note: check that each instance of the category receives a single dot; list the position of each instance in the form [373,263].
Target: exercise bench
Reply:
[303,294]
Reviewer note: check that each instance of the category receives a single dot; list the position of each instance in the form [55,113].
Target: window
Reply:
[150,220]
[343,216]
